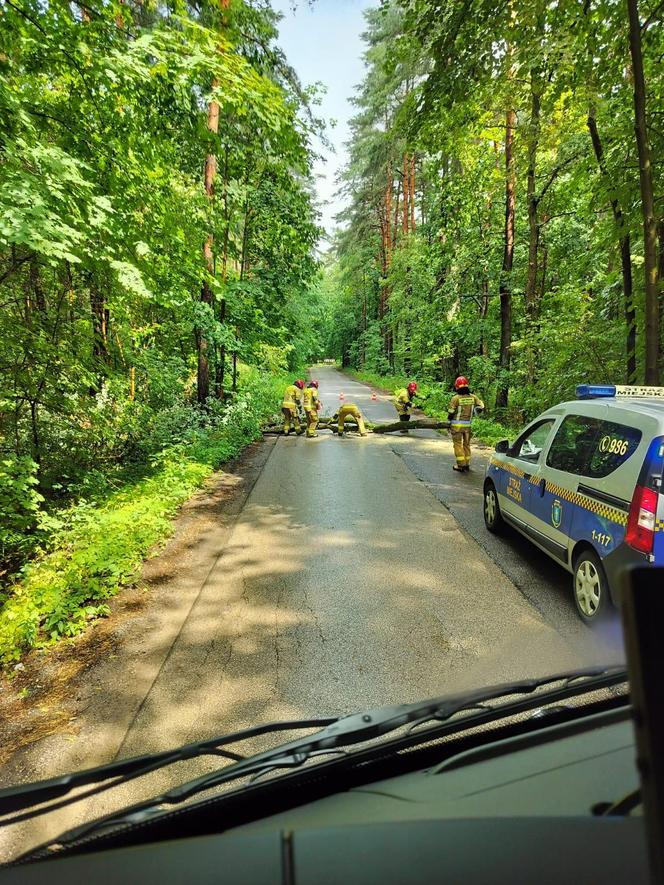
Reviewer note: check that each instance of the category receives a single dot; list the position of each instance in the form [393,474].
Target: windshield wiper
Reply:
[335,733]
[13,799]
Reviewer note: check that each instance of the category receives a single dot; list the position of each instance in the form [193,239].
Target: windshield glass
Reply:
[275,278]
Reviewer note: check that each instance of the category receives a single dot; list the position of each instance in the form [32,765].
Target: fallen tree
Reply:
[329,423]
[420,424]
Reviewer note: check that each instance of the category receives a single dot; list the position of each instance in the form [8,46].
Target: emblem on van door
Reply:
[556,514]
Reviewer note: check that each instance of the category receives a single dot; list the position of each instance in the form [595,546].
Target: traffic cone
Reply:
[341,396]
[374,397]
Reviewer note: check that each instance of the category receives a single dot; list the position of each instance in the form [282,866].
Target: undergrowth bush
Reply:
[19,510]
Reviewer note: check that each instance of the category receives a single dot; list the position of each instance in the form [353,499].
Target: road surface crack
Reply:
[314,615]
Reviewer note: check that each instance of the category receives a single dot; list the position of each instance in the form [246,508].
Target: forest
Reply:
[160,272]
[157,270]
[505,189]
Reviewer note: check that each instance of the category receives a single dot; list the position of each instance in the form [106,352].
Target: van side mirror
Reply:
[503,447]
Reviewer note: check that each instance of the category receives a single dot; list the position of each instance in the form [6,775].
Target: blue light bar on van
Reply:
[592,391]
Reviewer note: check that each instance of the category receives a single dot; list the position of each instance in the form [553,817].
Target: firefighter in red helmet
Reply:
[290,407]
[460,411]
[405,399]
[312,406]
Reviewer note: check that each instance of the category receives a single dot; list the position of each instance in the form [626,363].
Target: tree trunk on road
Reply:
[328,423]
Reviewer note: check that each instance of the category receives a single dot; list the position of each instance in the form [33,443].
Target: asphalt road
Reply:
[346,584]
[546,586]
[358,573]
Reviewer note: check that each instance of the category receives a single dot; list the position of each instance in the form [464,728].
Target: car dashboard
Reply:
[539,806]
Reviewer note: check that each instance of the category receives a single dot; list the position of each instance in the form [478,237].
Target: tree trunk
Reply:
[508,261]
[326,422]
[99,315]
[411,199]
[625,252]
[388,216]
[532,199]
[35,282]
[36,443]
[203,377]
[418,424]
[484,312]
[119,18]
[386,230]
[652,307]
[203,373]
[405,177]
[545,255]
[395,226]
[531,292]
[220,365]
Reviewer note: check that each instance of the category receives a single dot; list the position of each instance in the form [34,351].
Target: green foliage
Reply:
[103,213]
[490,432]
[421,295]
[19,510]
[103,326]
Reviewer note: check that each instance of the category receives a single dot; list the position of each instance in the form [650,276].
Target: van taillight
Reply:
[641,520]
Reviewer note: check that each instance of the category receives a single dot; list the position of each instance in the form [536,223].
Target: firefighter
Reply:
[460,415]
[349,410]
[404,402]
[312,406]
[290,407]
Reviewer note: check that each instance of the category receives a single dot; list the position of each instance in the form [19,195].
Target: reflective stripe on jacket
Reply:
[403,402]
[462,407]
[310,397]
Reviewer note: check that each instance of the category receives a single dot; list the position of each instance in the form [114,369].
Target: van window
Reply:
[529,446]
[591,447]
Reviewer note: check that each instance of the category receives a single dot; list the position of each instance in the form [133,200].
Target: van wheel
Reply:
[591,587]
[493,519]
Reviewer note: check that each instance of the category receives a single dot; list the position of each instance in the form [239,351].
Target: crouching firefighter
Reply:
[311,407]
[460,411]
[290,407]
[349,410]
[404,402]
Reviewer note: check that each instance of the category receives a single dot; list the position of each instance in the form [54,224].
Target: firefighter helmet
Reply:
[461,381]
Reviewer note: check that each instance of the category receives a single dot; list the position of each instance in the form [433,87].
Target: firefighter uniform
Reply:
[350,410]
[311,407]
[460,412]
[289,408]
[403,404]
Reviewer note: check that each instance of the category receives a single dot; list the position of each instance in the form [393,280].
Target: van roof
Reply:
[642,405]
